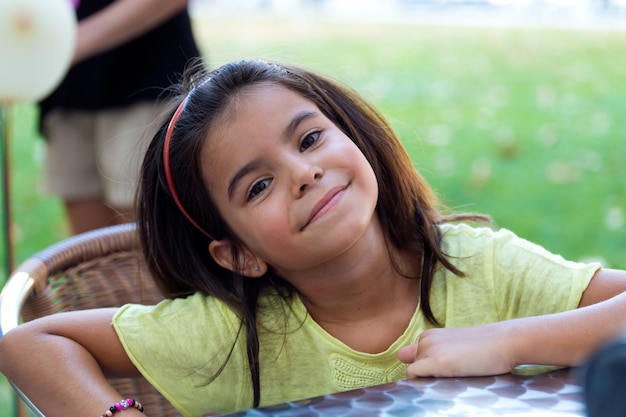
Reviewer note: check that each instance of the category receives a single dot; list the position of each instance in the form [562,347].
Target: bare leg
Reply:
[92,214]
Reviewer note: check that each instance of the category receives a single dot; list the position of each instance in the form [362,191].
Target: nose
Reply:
[304,174]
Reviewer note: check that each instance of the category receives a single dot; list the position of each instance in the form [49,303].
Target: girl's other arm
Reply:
[567,338]
[60,362]
[121,22]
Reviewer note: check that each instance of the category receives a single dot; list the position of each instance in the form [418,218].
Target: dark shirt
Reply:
[139,70]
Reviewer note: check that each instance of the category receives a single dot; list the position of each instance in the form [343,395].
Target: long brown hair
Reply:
[176,251]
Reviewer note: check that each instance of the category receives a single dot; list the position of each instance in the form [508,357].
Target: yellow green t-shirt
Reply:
[179,344]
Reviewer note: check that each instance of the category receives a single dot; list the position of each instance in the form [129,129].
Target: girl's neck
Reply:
[366,294]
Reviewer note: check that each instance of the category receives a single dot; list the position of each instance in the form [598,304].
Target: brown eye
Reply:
[258,187]
[309,140]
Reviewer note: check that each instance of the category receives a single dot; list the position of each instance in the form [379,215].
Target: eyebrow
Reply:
[298,118]
[251,166]
[245,170]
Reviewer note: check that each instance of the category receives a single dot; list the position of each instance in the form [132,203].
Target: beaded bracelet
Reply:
[122,405]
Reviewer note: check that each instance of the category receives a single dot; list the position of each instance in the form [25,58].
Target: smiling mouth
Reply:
[325,204]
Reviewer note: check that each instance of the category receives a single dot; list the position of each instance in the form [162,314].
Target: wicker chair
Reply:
[101,268]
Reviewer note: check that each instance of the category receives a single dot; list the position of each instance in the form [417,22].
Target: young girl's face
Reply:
[291,185]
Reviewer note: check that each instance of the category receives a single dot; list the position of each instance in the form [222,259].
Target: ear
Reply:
[221,252]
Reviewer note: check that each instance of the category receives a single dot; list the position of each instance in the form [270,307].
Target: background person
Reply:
[98,122]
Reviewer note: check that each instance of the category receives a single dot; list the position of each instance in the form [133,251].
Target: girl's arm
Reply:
[121,22]
[60,362]
[567,338]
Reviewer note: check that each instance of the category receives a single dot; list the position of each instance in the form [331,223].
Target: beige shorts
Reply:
[98,154]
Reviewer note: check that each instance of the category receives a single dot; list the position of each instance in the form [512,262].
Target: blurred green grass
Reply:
[523,124]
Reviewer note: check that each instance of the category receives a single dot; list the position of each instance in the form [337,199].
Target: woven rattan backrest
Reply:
[103,268]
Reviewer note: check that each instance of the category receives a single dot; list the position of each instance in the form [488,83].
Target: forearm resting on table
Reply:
[571,337]
[568,338]
[60,375]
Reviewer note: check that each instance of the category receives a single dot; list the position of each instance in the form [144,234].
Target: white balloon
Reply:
[37,39]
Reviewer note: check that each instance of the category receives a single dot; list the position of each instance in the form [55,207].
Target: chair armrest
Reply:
[29,278]
[12,298]
[15,292]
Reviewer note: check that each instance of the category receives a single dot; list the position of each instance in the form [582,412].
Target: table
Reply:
[554,393]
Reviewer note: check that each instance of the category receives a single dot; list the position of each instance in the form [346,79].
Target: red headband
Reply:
[168,172]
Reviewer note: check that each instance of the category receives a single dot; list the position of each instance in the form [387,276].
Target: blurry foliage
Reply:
[37,220]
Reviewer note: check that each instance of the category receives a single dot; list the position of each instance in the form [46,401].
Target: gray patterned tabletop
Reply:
[557,393]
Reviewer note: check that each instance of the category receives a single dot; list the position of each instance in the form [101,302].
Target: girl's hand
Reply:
[473,351]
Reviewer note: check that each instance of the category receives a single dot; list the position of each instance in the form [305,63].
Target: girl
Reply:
[302,254]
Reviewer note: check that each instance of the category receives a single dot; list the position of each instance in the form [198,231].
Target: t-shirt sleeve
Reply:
[179,345]
[530,281]
[506,277]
